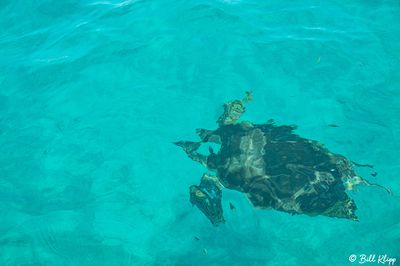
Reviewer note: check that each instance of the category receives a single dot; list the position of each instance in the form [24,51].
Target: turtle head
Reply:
[233,110]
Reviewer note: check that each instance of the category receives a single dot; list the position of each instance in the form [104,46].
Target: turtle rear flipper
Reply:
[343,209]
[207,197]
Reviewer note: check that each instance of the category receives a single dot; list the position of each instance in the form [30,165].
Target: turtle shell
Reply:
[278,169]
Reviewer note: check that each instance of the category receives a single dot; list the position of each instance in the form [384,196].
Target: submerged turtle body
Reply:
[274,167]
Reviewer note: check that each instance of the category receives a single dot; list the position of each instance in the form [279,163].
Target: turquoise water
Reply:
[93,93]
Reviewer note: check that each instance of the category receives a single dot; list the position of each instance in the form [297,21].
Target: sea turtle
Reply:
[274,167]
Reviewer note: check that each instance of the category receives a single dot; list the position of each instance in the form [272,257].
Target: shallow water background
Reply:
[93,93]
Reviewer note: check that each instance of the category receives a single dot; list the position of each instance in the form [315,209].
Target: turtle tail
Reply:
[367,183]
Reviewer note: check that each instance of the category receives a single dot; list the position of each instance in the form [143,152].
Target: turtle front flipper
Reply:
[191,147]
[207,197]
[208,135]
